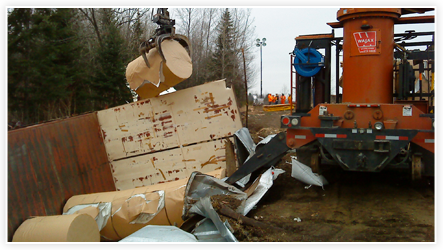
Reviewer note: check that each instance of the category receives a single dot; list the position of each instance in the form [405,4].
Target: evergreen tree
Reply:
[42,64]
[20,47]
[226,57]
[109,81]
[224,54]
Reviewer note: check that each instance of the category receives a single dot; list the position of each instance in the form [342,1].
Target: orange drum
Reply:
[368,54]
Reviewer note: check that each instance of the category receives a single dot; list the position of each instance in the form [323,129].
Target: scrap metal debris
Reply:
[202,185]
[227,199]
[133,209]
[153,233]
[155,148]
[304,174]
[267,153]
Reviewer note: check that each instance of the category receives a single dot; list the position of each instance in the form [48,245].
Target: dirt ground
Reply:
[354,207]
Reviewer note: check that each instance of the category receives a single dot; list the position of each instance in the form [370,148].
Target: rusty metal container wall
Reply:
[49,163]
[368,68]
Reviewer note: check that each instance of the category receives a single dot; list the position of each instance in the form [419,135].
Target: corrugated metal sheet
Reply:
[49,163]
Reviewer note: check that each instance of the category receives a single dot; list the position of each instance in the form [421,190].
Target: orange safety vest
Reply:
[283,99]
[289,99]
[269,98]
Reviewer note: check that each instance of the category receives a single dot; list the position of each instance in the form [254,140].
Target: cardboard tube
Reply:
[130,210]
[59,228]
[160,76]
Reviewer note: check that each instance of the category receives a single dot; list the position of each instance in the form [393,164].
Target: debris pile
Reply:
[173,158]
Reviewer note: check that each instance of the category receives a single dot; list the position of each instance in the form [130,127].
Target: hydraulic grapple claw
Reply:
[165,31]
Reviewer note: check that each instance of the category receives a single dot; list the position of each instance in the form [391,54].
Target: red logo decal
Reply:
[366,41]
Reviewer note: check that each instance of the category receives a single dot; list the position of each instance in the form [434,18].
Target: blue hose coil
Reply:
[316,61]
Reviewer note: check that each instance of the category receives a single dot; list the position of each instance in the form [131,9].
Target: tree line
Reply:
[67,61]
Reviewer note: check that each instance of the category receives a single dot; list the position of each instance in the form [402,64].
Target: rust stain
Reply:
[122,126]
[233,115]
[117,109]
[152,161]
[163,123]
[164,177]
[211,107]
[212,116]
[141,114]
[123,143]
[164,117]
[229,101]
[173,171]
[212,160]
[144,134]
[212,136]
[189,160]
[168,127]
[168,134]
[104,134]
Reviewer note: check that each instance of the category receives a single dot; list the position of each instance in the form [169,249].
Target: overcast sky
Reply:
[280,26]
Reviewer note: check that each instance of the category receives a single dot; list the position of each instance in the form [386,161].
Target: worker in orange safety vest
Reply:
[283,98]
[269,98]
[289,99]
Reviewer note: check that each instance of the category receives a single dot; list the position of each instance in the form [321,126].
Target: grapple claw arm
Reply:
[166,30]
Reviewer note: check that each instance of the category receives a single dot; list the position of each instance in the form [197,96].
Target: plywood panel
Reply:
[201,113]
[138,128]
[169,165]
[206,112]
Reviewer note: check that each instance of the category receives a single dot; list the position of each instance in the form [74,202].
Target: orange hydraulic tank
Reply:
[368,53]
